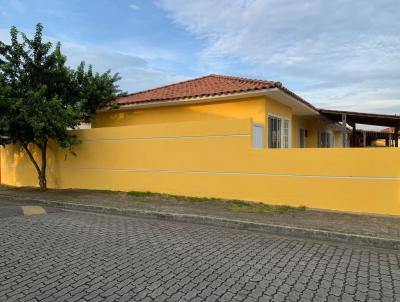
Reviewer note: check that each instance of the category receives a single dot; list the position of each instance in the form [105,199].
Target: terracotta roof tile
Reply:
[210,85]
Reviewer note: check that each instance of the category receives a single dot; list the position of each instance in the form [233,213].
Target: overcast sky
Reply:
[334,53]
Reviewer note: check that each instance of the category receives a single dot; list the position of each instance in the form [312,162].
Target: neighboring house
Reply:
[281,118]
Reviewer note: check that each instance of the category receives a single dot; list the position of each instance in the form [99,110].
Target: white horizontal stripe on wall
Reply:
[50,170]
[241,173]
[164,137]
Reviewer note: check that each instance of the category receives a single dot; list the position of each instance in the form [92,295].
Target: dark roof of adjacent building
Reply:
[363,117]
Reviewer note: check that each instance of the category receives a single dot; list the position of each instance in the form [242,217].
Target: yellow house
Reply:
[281,119]
[226,137]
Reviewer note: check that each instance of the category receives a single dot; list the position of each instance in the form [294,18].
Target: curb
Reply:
[237,224]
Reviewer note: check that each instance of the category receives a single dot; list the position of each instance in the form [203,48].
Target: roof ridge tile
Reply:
[165,86]
[242,78]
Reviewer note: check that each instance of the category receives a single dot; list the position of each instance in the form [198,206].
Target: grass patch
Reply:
[231,205]
[142,194]
[160,196]
[261,208]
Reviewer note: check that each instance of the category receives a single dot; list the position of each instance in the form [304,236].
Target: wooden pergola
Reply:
[352,118]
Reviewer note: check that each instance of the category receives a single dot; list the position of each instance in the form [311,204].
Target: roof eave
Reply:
[292,100]
[269,92]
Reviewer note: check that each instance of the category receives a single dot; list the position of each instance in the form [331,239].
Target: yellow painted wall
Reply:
[245,108]
[313,125]
[216,159]
[279,109]
[338,139]
[297,123]
[256,108]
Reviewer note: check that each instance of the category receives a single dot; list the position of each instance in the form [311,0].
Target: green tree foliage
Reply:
[41,98]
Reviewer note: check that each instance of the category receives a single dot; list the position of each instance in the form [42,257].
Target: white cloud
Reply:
[343,54]
[134,7]
[136,72]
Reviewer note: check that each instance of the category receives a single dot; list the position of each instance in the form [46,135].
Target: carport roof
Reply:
[387,120]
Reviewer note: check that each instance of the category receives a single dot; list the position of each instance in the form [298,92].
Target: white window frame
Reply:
[282,130]
[286,133]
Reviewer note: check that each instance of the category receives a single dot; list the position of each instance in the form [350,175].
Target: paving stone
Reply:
[71,256]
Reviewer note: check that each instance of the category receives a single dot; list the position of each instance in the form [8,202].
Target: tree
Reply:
[41,98]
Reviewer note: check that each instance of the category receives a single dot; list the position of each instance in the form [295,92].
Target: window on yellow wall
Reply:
[274,132]
[278,132]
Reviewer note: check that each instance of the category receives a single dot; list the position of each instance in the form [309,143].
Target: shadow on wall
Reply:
[18,170]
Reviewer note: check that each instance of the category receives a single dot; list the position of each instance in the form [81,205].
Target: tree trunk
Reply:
[42,174]
[41,171]
[42,182]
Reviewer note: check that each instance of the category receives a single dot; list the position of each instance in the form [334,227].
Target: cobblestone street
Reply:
[71,256]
